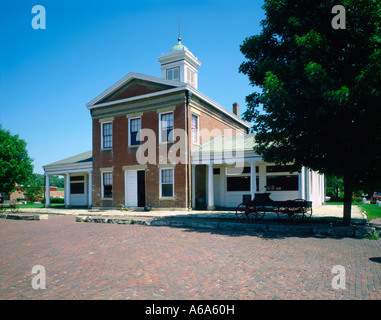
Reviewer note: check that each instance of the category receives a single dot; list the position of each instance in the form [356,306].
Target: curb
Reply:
[352,231]
[24,216]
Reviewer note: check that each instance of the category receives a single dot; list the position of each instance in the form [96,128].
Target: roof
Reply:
[177,86]
[224,143]
[77,159]
[179,46]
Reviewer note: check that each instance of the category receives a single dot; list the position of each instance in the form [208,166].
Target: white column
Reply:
[262,178]
[308,187]
[47,191]
[210,188]
[302,181]
[67,190]
[193,183]
[253,180]
[90,195]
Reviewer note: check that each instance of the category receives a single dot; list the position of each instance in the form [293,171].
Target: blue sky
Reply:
[48,76]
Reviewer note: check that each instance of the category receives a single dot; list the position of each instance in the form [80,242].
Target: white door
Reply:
[217,189]
[131,191]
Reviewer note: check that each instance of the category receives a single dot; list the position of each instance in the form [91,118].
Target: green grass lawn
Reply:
[372,211]
[41,205]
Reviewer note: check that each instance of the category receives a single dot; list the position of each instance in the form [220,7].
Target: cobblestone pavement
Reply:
[107,261]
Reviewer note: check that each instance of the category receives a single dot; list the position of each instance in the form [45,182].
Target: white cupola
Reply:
[179,64]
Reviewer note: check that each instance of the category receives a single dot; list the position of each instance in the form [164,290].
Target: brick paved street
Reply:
[108,261]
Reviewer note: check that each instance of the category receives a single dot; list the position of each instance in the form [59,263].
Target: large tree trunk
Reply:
[348,192]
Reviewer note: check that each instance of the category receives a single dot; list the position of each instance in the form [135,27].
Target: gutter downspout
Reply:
[187,96]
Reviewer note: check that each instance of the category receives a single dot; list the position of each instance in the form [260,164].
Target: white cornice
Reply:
[179,86]
[129,77]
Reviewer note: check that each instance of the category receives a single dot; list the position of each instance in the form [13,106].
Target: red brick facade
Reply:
[122,155]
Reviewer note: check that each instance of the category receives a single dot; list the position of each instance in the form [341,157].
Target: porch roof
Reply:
[226,149]
[227,143]
[78,159]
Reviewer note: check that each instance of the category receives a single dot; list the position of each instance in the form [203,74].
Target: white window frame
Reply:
[112,135]
[129,131]
[173,73]
[173,183]
[102,185]
[160,135]
[191,75]
[198,129]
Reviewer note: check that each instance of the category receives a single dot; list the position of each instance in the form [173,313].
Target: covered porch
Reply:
[77,171]
[226,171]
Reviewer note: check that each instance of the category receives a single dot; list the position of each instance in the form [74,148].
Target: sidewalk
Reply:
[332,213]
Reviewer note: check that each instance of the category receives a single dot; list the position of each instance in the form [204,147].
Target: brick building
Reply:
[151,147]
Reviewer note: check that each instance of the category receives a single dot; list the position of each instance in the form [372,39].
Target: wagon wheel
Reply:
[283,214]
[258,213]
[243,212]
[15,208]
[297,214]
[307,211]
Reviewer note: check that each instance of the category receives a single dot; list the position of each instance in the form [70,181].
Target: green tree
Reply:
[34,190]
[320,89]
[15,164]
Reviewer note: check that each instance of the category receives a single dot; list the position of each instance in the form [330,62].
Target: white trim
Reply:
[102,186]
[179,86]
[173,119]
[129,131]
[173,183]
[198,128]
[112,135]
[123,81]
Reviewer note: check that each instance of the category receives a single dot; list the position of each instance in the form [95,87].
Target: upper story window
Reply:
[166,127]
[190,77]
[106,135]
[135,127]
[173,74]
[195,131]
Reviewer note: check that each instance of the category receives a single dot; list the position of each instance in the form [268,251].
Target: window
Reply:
[190,77]
[195,134]
[77,185]
[166,127]
[166,176]
[282,183]
[238,183]
[107,184]
[135,127]
[173,74]
[107,135]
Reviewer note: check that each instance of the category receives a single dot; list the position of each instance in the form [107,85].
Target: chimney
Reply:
[236,109]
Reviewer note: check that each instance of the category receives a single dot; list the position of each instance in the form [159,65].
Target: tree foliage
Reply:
[321,89]
[15,164]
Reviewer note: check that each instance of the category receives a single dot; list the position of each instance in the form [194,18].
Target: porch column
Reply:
[90,195]
[67,190]
[253,180]
[302,181]
[210,188]
[308,186]
[193,183]
[262,178]
[47,191]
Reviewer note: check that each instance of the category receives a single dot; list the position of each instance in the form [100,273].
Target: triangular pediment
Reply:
[134,87]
